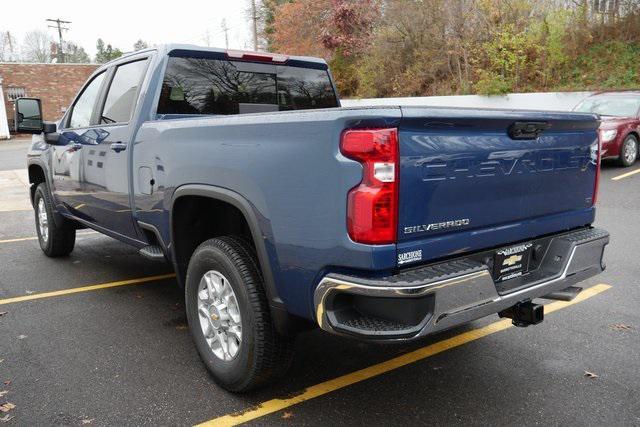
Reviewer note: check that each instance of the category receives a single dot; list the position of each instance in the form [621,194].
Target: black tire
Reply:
[629,143]
[61,232]
[263,355]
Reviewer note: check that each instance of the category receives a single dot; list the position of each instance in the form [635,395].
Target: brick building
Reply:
[54,84]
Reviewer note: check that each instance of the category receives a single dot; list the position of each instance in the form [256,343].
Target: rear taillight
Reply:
[597,147]
[372,206]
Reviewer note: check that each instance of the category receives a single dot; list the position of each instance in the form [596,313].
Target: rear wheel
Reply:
[229,316]
[629,151]
[56,234]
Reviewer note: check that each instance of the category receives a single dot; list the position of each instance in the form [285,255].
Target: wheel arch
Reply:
[37,175]
[228,197]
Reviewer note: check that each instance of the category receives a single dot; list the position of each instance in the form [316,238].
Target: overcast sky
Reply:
[120,23]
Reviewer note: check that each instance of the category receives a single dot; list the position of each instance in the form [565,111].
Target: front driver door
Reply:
[67,155]
[105,169]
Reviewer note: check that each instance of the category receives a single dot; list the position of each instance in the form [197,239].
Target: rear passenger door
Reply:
[105,173]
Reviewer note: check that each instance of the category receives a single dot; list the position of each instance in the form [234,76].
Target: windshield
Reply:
[215,86]
[610,106]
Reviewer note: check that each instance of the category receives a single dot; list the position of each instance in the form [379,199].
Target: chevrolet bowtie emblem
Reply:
[214,317]
[512,260]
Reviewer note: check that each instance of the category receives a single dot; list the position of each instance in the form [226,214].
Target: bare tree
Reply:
[36,46]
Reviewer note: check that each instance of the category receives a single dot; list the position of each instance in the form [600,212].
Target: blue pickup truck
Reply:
[280,210]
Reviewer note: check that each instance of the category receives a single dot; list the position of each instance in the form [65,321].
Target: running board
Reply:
[567,294]
[154,253]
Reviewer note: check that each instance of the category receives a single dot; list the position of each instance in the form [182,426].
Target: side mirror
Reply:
[28,115]
[51,135]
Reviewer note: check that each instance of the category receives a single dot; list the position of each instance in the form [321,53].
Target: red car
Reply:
[620,127]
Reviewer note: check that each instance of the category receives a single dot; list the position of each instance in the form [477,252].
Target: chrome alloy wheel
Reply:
[43,221]
[630,152]
[219,315]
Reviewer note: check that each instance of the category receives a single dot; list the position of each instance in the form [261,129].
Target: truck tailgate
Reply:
[468,181]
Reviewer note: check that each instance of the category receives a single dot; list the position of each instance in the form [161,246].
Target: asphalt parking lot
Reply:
[100,338]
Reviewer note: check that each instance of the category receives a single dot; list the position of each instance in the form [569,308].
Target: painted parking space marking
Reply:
[25,239]
[275,405]
[625,175]
[89,288]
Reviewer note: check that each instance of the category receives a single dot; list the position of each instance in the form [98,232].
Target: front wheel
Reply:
[56,234]
[229,316]
[629,151]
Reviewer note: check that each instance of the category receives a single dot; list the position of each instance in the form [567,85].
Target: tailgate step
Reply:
[567,294]
[372,324]
[425,274]
[586,235]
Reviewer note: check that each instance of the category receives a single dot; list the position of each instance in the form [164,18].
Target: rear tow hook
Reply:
[524,313]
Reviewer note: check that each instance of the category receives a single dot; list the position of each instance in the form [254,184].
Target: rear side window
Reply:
[215,86]
[83,108]
[121,98]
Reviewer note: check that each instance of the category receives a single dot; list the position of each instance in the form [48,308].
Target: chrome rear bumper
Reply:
[429,299]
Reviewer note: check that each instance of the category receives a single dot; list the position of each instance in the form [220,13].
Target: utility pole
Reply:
[10,42]
[60,27]
[226,32]
[254,17]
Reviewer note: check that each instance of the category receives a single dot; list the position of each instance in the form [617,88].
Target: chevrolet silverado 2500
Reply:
[279,209]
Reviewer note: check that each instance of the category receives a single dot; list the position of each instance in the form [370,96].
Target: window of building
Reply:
[14,93]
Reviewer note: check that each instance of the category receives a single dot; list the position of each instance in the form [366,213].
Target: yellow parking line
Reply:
[20,239]
[275,405]
[24,239]
[624,175]
[85,289]
[15,207]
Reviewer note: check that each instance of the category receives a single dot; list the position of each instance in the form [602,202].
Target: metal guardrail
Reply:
[546,101]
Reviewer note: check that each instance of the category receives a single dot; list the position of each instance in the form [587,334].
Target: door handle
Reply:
[118,147]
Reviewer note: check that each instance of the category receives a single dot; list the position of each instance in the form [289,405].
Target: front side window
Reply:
[215,86]
[83,108]
[121,101]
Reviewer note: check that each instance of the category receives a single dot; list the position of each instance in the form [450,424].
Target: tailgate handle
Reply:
[527,130]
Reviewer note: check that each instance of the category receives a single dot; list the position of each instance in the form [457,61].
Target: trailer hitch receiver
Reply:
[524,313]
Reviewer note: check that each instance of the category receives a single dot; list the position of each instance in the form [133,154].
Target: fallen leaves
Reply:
[590,374]
[6,418]
[21,337]
[3,393]
[6,407]
[2,313]
[7,382]
[287,415]
[87,420]
[620,327]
